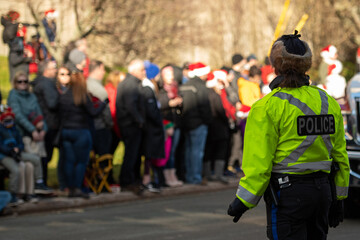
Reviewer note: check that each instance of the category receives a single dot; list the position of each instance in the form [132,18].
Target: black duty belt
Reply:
[285,180]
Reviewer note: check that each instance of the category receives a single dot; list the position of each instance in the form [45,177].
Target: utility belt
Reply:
[280,181]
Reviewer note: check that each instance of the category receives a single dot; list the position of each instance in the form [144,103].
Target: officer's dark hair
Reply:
[291,58]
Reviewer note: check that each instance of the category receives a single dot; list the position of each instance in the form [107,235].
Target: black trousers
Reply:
[303,210]
[132,140]
[49,148]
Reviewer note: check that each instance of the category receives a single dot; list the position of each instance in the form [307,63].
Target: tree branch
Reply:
[55,53]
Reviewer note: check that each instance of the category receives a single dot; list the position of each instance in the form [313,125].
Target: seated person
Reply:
[11,153]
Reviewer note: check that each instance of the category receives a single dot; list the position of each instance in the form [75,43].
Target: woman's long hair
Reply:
[78,87]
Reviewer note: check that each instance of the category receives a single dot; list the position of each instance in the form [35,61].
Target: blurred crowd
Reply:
[179,124]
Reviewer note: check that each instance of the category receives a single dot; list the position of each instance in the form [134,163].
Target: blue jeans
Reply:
[194,152]
[5,198]
[175,141]
[76,147]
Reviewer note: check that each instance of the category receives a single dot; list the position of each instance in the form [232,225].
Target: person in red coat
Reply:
[111,84]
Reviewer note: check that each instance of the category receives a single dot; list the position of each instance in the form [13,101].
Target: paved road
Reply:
[199,216]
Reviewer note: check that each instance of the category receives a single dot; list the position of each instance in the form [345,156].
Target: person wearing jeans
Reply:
[76,113]
[196,116]
[194,152]
[77,144]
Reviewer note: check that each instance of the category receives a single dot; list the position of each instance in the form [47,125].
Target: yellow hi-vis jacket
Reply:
[292,131]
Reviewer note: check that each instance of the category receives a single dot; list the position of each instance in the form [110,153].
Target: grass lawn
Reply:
[5,85]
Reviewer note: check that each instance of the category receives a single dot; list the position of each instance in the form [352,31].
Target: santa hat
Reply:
[328,52]
[214,77]
[358,56]
[211,80]
[335,68]
[220,74]
[6,112]
[51,14]
[198,69]
[243,111]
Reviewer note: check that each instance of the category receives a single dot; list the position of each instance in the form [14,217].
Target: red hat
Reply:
[220,74]
[12,15]
[35,118]
[51,13]
[215,76]
[198,69]
[328,51]
[7,112]
[358,56]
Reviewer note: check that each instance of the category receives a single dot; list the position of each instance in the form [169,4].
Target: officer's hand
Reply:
[336,213]
[236,209]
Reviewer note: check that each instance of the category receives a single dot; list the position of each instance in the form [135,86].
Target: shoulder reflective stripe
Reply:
[247,196]
[324,102]
[301,167]
[342,191]
[309,140]
[296,102]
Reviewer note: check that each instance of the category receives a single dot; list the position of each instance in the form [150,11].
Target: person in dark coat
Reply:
[196,116]
[154,135]
[131,119]
[216,149]
[44,87]
[14,32]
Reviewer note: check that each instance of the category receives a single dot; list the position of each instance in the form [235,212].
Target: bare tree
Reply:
[150,29]
[85,22]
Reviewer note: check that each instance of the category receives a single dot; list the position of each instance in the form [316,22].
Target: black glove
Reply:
[15,155]
[236,209]
[336,213]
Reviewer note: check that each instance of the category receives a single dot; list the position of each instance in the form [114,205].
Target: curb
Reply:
[64,203]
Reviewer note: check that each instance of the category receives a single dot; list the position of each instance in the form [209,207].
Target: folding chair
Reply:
[97,175]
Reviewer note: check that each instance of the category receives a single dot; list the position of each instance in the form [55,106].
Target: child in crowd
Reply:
[10,147]
[31,145]
[13,157]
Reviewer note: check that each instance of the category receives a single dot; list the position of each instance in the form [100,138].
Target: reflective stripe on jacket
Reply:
[272,142]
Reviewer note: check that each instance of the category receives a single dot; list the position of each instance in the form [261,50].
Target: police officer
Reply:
[292,137]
